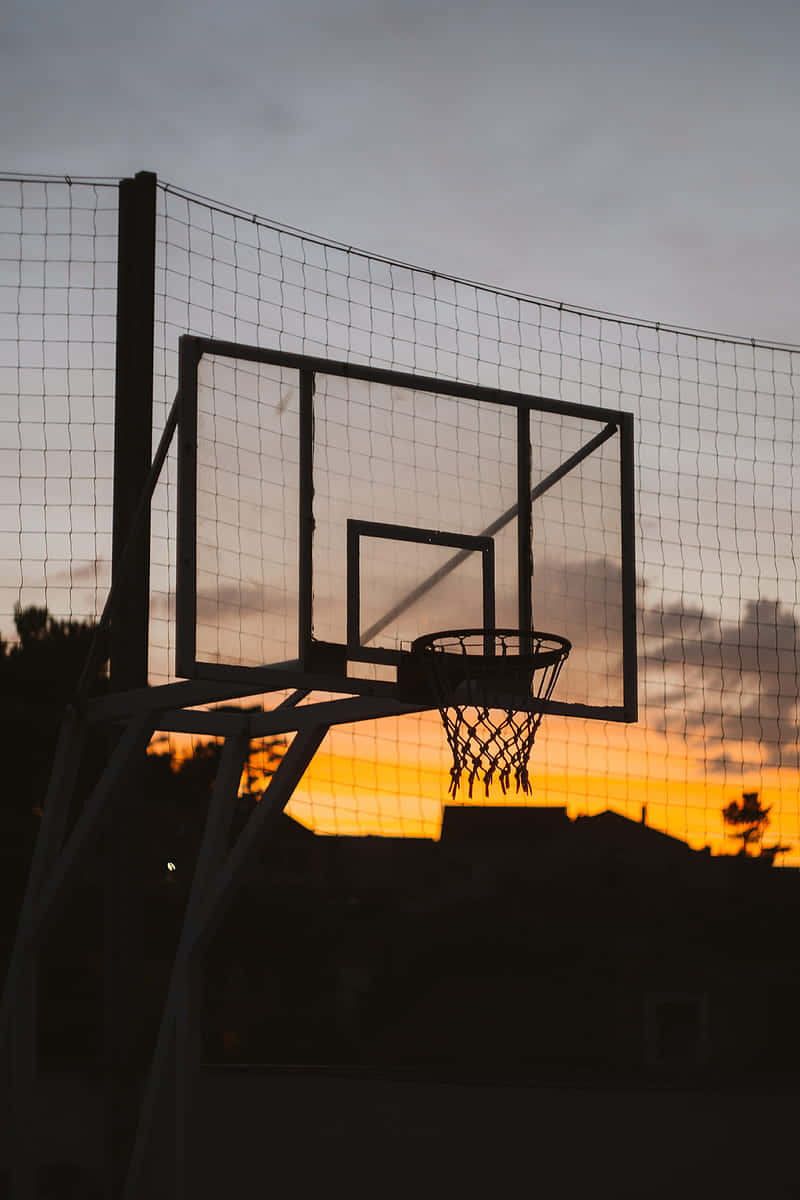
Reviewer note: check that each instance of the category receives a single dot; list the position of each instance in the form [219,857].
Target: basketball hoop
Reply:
[478,677]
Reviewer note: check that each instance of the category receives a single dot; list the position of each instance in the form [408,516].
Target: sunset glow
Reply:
[351,796]
[391,779]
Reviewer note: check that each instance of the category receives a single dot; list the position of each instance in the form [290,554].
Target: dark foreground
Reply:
[308,1134]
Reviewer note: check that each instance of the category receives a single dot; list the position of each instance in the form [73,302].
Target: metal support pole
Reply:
[176,1032]
[252,838]
[129,632]
[123,955]
[133,425]
[214,886]
[190,976]
[88,827]
[99,650]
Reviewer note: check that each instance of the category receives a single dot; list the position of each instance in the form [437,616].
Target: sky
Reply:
[622,155]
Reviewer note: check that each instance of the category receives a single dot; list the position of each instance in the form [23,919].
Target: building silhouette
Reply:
[520,943]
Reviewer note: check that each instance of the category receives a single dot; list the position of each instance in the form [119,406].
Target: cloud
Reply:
[732,684]
[241,600]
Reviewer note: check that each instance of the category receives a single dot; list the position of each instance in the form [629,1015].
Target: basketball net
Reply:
[478,678]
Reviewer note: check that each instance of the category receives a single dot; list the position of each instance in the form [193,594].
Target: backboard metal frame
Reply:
[322,666]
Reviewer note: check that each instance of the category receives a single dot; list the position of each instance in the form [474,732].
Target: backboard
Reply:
[331,513]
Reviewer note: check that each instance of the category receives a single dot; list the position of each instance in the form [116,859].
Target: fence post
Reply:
[133,426]
[129,643]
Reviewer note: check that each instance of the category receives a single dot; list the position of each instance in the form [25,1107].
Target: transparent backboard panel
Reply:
[247,504]
[577,557]
[388,569]
[342,513]
[420,460]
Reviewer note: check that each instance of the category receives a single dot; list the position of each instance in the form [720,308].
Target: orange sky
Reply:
[391,777]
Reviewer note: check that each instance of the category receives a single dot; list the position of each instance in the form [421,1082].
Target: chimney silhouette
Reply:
[644,814]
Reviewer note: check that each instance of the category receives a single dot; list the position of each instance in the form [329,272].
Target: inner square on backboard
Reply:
[362,633]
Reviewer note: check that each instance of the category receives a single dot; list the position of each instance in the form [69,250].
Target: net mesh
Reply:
[57,338]
[479,678]
[717,488]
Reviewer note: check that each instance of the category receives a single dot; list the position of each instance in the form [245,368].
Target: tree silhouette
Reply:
[39,673]
[46,662]
[749,820]
[175,794]
[38,676]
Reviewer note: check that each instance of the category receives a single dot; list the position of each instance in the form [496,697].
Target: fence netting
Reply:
[717,484]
